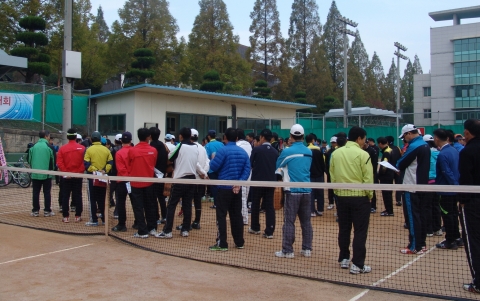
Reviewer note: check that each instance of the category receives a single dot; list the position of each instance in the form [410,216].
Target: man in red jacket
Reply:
[70,159]
[141,163]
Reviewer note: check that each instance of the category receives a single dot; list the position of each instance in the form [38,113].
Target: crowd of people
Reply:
[442,158]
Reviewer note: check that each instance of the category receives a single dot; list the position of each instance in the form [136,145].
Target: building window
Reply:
[427,113]
[171,124]
[150,125]
[427,91]
[111,124]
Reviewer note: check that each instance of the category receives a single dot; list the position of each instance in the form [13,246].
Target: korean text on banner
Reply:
[16,106]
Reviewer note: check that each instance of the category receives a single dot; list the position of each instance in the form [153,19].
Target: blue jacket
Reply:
[447,168]
[232,163]
[212,147]
[295,162]
[433,163]
[458,146]
[415,162]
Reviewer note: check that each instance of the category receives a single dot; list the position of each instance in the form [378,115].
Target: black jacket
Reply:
[469,167]
[385,174]
[263,161]
[317,168]
[162,156]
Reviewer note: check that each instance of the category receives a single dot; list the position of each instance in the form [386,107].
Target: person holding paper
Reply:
[385,176]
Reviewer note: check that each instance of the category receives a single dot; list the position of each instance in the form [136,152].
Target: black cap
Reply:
[127,135]
[324,141]
[212,133]
[266,132]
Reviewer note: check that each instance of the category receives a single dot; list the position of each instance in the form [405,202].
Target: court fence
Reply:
[257,236]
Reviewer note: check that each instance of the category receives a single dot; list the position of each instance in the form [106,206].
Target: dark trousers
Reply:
[143,205]
[158,192]
[353,211]
[331,195]
[121,193]
[198,193]
[60,192]
[470,215]
[373,202]
[387,195]
[399,194]
[415,207]
[213,188]
[265,193]
[184,192]
[113,188]
[317,194]
[296,204]
[72,186]
[432,212]
[449,207]
[37,185]
[97,200]
[231,203]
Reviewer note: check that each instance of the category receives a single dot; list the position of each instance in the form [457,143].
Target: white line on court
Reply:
[357,297]
[44,254]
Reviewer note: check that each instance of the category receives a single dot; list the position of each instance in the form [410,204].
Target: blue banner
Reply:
[16,106]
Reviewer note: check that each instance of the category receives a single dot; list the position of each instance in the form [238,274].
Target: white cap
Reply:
[333,139]
[169,137]
[407,128]
[173,137]
[118,137]
[79,136]
[194,132]
[427,137]
[297,130]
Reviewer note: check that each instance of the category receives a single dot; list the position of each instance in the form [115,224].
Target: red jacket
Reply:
[121,161]
[70,157]
[142,159]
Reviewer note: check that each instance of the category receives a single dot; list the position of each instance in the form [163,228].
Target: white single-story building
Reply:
[170,109]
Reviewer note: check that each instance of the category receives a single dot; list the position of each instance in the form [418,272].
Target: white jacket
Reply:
[246,146]
[203,160]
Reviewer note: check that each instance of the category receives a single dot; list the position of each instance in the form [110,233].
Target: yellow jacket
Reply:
[351,164]
[98,157]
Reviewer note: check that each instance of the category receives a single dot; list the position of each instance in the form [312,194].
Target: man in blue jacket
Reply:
[232,163]
[295,162]
[447,174]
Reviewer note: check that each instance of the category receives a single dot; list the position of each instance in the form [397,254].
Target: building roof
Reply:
[462,13]
[364,111]
[10,63]
[206,95]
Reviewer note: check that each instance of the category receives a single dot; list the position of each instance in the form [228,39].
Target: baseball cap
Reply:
[118,137]
[127,136]
[212,133]
[103,140]
[427,137]
[333,139]
[407,128]
[266,132]
[168,137]
[459,136]
[194,133]
[297,130]
[79,136]
[324,141]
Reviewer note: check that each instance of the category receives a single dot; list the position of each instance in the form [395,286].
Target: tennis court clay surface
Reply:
[39,265]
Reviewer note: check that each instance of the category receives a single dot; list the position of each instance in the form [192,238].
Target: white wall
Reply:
[421,102]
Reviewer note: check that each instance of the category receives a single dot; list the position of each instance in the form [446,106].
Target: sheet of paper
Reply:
[129,187]
[389,166]
[158,173]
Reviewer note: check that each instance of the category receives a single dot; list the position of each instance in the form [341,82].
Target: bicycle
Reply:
[19,177]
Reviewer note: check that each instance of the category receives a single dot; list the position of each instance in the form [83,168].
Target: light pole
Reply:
[67,86]
[400,47]
[345,31]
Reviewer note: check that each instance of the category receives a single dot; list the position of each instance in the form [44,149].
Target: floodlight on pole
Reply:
[346,32]
[399,55]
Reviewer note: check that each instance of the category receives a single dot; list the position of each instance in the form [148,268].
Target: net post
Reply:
[106,209]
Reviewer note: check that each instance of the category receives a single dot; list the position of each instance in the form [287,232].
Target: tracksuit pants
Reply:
[257,194]
[143,205]
[353,211]
[373,202]
[198,193]
[416,208]
[449,207]
[97,200]
[184,192]
[433,216]
[71,186]
[231,203]
[317,194]
[387,196]
[297,204]
[158,193]
[470,215]
[121,193]
[37,185]
[331,195]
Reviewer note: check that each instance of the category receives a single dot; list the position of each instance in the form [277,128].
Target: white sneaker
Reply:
[185,233]
[356,270]
[51,213]
[306,253]
[251,231]
[345,264]
[136,235]
[330,207]
[152,232]
[284,255]
[163,235]
[439,232]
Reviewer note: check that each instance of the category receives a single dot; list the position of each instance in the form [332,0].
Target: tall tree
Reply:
[334,47]
[266,39]
[371,90]
[355,82]
[417,67]
[389,90]
[359,55]
[378,73]
[103,30]
[305,28]
[213,46]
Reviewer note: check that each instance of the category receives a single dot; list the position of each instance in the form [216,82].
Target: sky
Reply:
[380,22]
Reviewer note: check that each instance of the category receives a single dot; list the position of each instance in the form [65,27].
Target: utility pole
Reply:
[346,32]
[400,47]
[67,87]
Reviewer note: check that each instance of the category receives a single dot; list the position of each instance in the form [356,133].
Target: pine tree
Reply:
[334,46]
[359,55]
[213,46]
[389,90]
[284,88]
[262,90]
[371,90]
[406,96]
[266,39]
[378,74]
[8,24]
[355,82]
[304,28]
[417,66]
[103,31]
